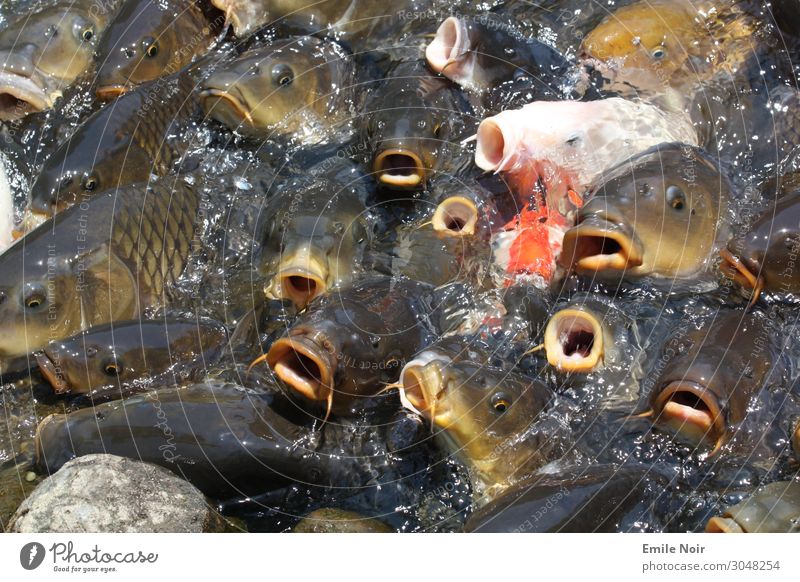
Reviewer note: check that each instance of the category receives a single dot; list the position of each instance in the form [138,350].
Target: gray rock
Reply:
[105,493]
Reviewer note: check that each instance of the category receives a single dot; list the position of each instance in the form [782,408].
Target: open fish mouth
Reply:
[302,275]
[110,92]
[422,386]
[723,525]
[573,341]
[399,167]
[20,96]
[449,45]
[456,216]
[52,373]
[743,273]
[691,411]
[304,366]
[226,107]
[597,244]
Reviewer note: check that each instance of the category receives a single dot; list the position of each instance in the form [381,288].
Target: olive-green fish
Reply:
[44,52]
[330,520]
[661,214]
[773,508]
[767,256]
[707,379]
[318,233]
[300,87]
[599,498]
[488,413]
[224,439]
[148,40]
[116,360]
[409,121]
[350,344]
[100,261]
[123,143]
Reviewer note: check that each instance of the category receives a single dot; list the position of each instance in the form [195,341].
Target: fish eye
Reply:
[282,75]
[676,198]
[112,368]
[500,402]
[150,47]
[659,53]
[90,182]
[437,130]
[87,34]
[34,298]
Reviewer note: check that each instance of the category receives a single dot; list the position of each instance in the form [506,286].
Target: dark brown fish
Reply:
[148,40]
[123,143]
[116,360]
[220,437]
[773,508]
[593,499]
[410,120]
[299,87]
[316,238]
[767,257]
[703,391]
[104,260]
[350,344]
[661,213]
[43,53]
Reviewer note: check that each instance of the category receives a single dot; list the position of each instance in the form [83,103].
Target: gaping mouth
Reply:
[573,341]
[300,286]
[20,96]
[743,274]
[490,150]
[225,107]
[723,525]
[451,43]
[692,412]
[303,366]
[400,168]
[52,373]
[456,216]
[109,92]
[599,245]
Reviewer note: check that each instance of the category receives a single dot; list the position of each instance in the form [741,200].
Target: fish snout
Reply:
[450,43]
[573,341]
[302,276]
[421,383]
[690,411]
[52,371]
[456,216]
[723,525]
[399,167]
[304,365]
[600,241]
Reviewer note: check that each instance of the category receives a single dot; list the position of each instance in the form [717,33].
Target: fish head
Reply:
[644,43]
[647,217]
[69,176]
[274,90]
[478,407]
[38,303]
[145,41]
[451,52]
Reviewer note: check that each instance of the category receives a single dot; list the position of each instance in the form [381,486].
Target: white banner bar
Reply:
[376,557]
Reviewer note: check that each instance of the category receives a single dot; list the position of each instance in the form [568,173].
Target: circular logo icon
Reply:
[31,555]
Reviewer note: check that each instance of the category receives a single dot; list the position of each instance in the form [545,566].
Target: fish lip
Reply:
[693,424]
[216,96]
[723,525]
[742,271]
[450,44]
[586,233]
[51,373]
[109,92]
[492,150]
[413,173]
[24,89]
[562,328]
[315,384]
[421,385]
[456,216]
